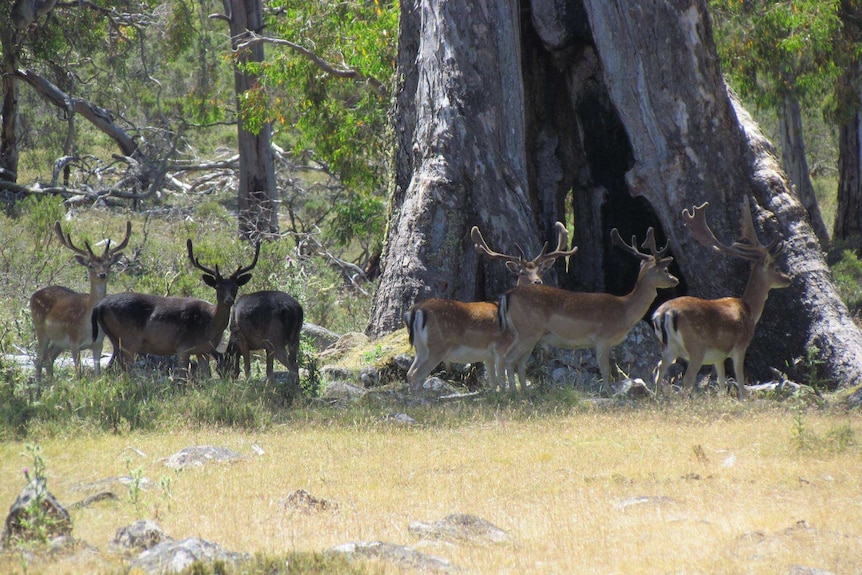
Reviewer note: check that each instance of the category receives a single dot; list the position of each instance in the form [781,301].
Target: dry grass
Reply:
[728,486]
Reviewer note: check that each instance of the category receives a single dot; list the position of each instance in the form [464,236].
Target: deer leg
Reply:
[270,364]
[667,359]
[690,378]
[722,377]
[97,355]
[603,355]
[76,360]
[51,354]
[739,373]
[41,352]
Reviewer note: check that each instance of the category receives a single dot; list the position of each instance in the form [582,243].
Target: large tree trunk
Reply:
[848,217]
[9,118]
[460,157]
[256,194]
[625,121]
[796,164]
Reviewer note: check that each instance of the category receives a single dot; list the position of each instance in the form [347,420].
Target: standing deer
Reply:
[453,331]
[267,320]
[576,320]
[141,323]
[707,332]
[61,317]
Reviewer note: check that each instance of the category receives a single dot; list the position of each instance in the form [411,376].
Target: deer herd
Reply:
[502,334]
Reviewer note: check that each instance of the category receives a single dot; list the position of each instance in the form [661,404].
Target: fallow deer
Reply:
[61,317]
[707,332]
[180,326]
[576,320]
[267,320]
[444,330]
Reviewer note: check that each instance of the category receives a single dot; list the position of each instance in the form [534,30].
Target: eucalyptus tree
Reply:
[600,113]
[781,54]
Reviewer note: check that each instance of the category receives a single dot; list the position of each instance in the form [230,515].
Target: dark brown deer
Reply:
[180,326]
[61,317]
[267,320]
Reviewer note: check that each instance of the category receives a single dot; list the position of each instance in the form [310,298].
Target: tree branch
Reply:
[250,38]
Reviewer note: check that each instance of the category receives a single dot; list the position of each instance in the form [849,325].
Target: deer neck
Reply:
[638,301]
[756,292]
[98,290]
[221,317]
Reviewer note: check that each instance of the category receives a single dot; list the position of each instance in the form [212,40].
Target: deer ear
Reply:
[209,280]
[83,260]
[243,279]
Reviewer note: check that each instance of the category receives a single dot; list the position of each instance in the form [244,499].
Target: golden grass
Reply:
[728,489]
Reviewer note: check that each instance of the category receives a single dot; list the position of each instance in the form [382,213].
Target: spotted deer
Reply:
[61,316]
[707,332]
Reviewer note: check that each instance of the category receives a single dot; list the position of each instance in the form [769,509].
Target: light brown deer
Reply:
[444,330]
[707,332]
[180,326]
[577,320]
[61,317]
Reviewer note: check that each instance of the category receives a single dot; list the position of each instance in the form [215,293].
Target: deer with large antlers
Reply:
[707,332]
[444,330]
[61,317]
[577,320]
[179,326]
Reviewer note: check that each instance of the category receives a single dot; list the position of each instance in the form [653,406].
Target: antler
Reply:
[562,242]
[122,244]
[66,240]
[241,270]
[196,262]
[215,273]
[480,244]
[750,248]
[632,248]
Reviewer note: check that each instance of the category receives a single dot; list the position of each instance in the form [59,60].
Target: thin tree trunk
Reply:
[796,164]
[257,192]
[848,217]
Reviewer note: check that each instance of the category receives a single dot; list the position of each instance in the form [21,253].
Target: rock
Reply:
[35,504]
[403,361]
[344,344]
[176,556]
[139,536]
[644,500]
[302,501]
[321,338]
[342,393]
[631,389]
[98,497]
[201,455]
[460,527]
[369,376]
[400,554]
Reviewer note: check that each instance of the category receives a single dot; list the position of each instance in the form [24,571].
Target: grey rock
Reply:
[369,376]
[460,527]
[400,554]
[139,536]
[176,556]
[56,520]
[201,455]
[304,502]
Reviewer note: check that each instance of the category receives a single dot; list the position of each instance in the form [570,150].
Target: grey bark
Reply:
[848,217]
[604,113]
[256,194]
[796,164]
[460,130]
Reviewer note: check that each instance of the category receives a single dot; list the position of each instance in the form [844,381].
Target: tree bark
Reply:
[796,164]
[848,217]
[9,118]
[624,120]
[257,193]
[460,129]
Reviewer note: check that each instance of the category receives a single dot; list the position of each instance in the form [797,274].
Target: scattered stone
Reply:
[53,518]
[403,361]
[139,536]
[800,570]
[401,418]
[344,344]
[304,502]
[342,393]
[434,386]
[460,527]
[97,498]
[143,483]
[200,456]
[321,338]
[369,376]
[176,556]
[400,554]
[658,500]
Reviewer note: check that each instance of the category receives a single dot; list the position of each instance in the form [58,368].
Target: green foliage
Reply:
[774,48]
[848,279]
